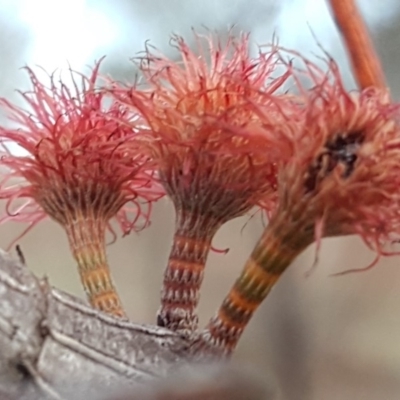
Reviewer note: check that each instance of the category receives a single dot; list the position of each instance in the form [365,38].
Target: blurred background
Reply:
[316,337]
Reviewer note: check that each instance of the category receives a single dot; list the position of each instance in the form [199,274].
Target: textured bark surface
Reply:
[54,346]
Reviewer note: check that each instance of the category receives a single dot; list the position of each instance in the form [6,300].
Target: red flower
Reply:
[343,178]
[78,169]
[345,172]
[215,157]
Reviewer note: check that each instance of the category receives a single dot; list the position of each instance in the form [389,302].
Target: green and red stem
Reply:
[185,270]
[87,242]
[84,212]
[274,252]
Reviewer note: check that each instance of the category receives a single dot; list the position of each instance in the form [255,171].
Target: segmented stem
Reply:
[87,241]
[365,61]
[83,211]
[184,273]
[273,253]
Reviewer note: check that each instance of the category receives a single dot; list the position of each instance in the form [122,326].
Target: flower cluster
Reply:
[219,132]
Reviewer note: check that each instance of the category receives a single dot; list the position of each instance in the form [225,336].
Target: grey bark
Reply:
[54,346]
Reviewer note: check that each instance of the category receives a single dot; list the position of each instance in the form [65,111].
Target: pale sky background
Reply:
[317,337]
[51,33]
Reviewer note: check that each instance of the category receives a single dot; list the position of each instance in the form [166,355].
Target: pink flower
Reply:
[79,168]
[216,158]
[345,173]
[343,178]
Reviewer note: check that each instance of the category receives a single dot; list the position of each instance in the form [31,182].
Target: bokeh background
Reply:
[316,337]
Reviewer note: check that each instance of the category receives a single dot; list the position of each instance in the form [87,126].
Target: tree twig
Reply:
[365,61]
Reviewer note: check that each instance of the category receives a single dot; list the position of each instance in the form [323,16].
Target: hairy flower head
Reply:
[204,132]
[75,157]
[344,177]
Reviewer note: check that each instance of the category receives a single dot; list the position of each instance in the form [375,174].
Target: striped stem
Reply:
[184,273]
[365,61]
[273,253]
[86,236]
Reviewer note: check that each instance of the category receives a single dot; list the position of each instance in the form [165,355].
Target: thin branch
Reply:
[366,65]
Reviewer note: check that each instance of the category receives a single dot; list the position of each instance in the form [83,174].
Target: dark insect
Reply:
[340,150]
